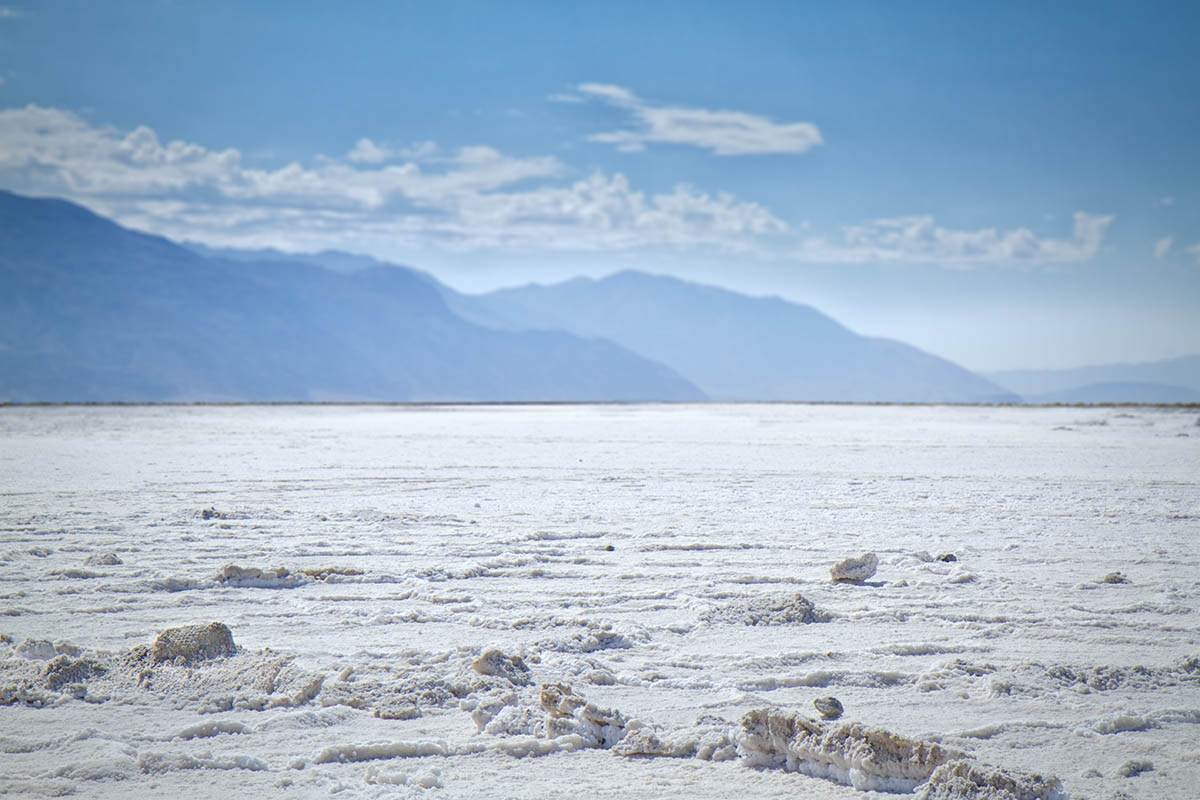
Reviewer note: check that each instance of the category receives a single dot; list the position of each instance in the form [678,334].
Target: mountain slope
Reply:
[333,260]
[90,311]
[732,346]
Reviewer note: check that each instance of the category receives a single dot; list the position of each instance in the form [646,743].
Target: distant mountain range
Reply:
[732,346]
[90,311]
[1175,380]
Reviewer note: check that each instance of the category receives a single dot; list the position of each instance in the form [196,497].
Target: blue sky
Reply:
[1007,185]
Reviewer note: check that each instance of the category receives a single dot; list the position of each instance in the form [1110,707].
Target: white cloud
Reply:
[725,133]
[10,13]
[565,97]
[919,239]
[471,198]
[604,212]
[382,199]
[367,152]
[1163,246]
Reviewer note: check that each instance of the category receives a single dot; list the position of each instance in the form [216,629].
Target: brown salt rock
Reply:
[193,643]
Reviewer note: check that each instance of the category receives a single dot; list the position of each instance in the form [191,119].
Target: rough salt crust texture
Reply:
[869,759]
[610,602]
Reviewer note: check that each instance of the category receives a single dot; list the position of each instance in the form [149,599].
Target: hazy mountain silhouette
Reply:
[733,346]
[90,311]
[1175,380]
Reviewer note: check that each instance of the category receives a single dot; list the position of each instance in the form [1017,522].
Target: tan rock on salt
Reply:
[830,707]
[193,643]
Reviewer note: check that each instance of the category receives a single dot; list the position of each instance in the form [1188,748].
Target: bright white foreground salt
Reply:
[599,601]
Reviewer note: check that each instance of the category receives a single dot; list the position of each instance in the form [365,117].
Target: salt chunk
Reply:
[193,643]
[1134,767]
[855,570]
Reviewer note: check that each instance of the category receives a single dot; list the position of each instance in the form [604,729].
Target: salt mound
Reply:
[855,570]
[152,763]
[232,572]
[279,577]
[64,670]
[568,713]
[398,711]
[709,742]
[560,714]
[233,575]
[494,662]
[402,689]
[966,780]
[242,681]
[36,650]
[1105,678]
[193,643]
[323,573]
[792,610]
[1134,767]
[869,759]
[181,668]
[595,636]
[645,742]
[429,779]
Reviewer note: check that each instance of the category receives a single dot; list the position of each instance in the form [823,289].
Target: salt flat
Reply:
[425,571]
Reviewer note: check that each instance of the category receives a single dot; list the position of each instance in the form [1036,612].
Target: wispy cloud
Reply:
[919,239]
[1194,251]
[474,197]
[725,133]
[1163,246]
[11,13]
[1165,201]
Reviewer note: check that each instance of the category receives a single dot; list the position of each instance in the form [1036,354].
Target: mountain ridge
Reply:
[91,311]
[733,346]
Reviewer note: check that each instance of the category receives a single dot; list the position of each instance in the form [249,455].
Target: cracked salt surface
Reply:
[608,601]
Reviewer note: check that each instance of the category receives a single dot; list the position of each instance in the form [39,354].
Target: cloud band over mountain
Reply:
[380,198]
